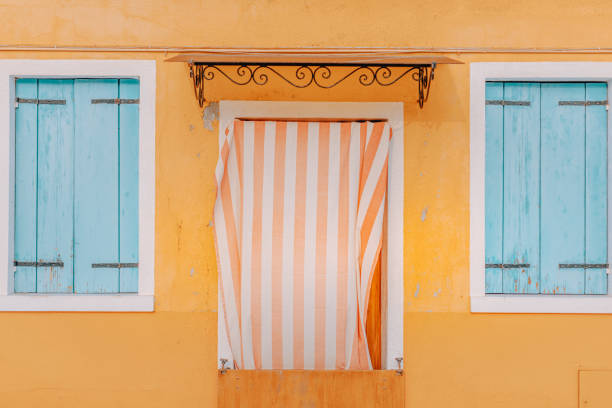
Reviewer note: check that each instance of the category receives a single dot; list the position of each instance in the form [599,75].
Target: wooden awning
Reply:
[312,58]
[313,67]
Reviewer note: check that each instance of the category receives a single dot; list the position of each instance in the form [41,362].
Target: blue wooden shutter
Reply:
[106,187]
[76,186]
[546,188]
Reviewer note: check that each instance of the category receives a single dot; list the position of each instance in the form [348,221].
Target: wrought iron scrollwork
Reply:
[307,75]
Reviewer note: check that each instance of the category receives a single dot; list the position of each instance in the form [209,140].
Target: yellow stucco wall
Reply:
[168,358]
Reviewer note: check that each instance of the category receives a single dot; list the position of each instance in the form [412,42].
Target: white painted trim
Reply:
[76,303]
[141,69]
[393,338]
[480,72]
[541,304]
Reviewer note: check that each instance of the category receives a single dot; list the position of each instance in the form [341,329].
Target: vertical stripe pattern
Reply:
[298,229]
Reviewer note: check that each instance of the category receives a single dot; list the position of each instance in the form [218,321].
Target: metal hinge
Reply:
[224,368]
[583,266]
[117,101]
[115,265]
[39,101]
[400,370]
[507,266]
[39,263]
[508,103]
[583,103]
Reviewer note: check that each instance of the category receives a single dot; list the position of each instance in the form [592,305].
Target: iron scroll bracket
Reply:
[324,75]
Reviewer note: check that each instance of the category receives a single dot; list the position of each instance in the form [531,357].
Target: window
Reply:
[546,188]
[539,188]
[76,186]
[80,215]
[392,279]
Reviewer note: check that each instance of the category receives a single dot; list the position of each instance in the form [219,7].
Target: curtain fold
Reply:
[298,230]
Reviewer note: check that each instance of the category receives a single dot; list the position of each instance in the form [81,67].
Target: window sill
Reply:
[76,303]
[541,304]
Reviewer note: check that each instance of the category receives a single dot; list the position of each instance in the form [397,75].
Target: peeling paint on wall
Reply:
[424,214]
[211,114]
[416,292]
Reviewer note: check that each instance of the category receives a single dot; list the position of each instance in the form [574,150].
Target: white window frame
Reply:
[480,72]
[145,72]
[393,265]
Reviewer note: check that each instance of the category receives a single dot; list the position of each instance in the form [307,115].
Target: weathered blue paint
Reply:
[563,188]
[596,229]
[96,208]
[494,120]
[55,186]
[128,185]
[76,186]
[521,187]
[546,188]
[26,148]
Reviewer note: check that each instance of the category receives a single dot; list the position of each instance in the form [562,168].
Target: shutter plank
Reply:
[26,129]
[55,186]
[521,142]
[563,188]
[128,184]
[596,280]
[96,187]
[494,187]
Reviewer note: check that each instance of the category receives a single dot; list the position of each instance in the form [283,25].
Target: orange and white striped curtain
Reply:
[298,227]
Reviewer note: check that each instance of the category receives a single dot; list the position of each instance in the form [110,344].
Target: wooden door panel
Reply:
[299,388]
